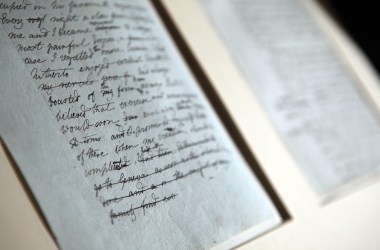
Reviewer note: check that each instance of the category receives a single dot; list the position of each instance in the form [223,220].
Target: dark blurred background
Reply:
[362,20]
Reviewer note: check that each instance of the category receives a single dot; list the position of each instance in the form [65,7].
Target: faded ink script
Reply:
[311,97]
[135,127]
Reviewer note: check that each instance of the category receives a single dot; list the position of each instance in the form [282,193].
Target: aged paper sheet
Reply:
[114,137]
[313,100]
